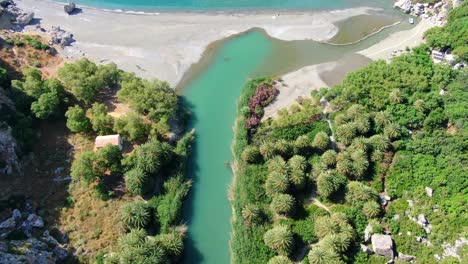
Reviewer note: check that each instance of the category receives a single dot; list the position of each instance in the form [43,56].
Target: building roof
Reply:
[102,141]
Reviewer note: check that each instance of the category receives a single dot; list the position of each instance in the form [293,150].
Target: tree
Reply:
[81,79]
[395,96]
[136,181]
[152,155]
[329,183]
[267,149]
[392,131]
[280,260]
[282,204]
[302,143]
[337,242]
[283,147]
[135,215]
[276,183]
[362,124]
[321,141]
[346,133]
[251,214]
[318,255]
[251,154]
[83,167]
[371,209]
[107,159]
[380,120]
[297,165]
[379,142]
[329,158]
[420,105]
[359,193]
[77,120]
[46,106]
[277,164]
[280,239]
[101,122]
[131,127]
[172,243]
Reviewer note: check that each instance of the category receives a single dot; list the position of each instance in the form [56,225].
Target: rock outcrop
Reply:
[404,5]
[8,158]
[21,17]
[60,37]
[69,8]
[383,245]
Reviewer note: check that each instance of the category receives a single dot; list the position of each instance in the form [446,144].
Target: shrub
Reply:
[77,120]
[131,127]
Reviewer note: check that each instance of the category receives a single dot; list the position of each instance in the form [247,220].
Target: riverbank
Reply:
[165,45]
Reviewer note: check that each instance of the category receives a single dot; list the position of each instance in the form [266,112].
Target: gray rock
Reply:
[429,191]
[383,245]
[368,233]
[60,37]
[366,250]
[405,257]
[24,19]
[36,221]
[404,5]
[60,253]
[8,224]
[422,220]
[419,239]
[16,215]
[69,8]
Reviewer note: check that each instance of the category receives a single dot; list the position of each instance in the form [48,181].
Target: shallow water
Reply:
[210,91]
[250,5]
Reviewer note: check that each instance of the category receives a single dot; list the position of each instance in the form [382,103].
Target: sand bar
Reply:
[164,46]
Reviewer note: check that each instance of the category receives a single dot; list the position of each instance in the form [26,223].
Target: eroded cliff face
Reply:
[8,145]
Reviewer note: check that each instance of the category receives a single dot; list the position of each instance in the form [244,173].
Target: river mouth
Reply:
[210,90]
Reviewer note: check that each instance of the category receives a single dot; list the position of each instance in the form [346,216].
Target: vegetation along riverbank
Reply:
[385,181]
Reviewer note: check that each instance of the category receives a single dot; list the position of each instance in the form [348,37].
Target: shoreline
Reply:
[177,40]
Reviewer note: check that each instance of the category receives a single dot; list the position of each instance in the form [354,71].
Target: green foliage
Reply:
[358,192]
[251,214]
[77,120]
[35,43]
[135,215]
[280,260]
[83,167]
[276,183]
[101,122]
[251,154]
[151,156]
[155,99]
[136,181]
[280,239]
[131,127]
[282,204]
[328,183]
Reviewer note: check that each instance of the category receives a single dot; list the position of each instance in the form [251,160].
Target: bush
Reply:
[77,120]
[131,127]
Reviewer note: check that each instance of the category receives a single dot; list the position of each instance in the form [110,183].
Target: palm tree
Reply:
[392,131]
[420,105]
[379,142]
[298,179]
[135,238]
[340,119]
[344,165]
[280,260]
[337,242]
[280,239]
[329,158]
[276,183]
[172,243]
[380,120]
[360,163]
[324,227]
[282,204]
[346,133]
[377,156]
[319,255]
[267,149]
[360,143]
[283,147]
[297,163]
[395,96]
[251,154]
[277,164]
[371,209]
[301,143]
[135,215]
[358,192]
[321,141]
[135,181]
[362,125]
[251,214]
[328,183]
[355,111]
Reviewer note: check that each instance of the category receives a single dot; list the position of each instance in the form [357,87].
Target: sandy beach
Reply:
[164,46]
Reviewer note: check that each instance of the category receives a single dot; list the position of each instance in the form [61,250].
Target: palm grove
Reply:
[399,127]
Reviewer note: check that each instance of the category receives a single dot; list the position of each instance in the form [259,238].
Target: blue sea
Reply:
[229,5]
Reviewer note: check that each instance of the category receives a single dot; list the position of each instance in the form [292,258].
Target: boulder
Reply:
[6,3]
[69,8]
[36,221]
[24,19]
[383,245]
[422,220]
[60,37]
[60,253]
[404,5]
[429,191]
[16,215]
[405,257]
[8,224]
[368,233]
[366,250]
